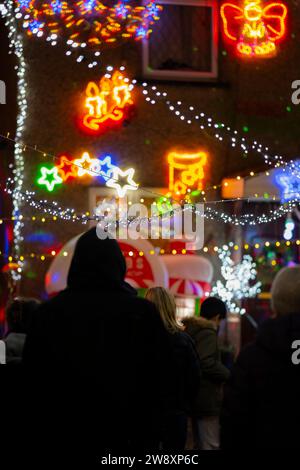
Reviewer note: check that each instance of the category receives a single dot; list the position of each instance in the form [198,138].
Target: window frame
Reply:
[178,75]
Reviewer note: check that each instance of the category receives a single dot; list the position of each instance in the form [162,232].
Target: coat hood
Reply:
[277,335]
[97,263]
[195,324]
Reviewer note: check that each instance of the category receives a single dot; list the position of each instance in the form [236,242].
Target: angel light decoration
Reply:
[255,28]
[108,101]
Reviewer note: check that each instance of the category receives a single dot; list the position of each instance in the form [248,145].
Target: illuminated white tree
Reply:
[236,284]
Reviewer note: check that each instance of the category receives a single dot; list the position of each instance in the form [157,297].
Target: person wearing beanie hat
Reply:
[207,404]
[261,406]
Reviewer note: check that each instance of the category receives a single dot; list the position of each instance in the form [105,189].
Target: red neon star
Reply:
[66,168]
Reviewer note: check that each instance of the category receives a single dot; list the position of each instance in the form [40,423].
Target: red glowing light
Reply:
[66,168]
[255,28]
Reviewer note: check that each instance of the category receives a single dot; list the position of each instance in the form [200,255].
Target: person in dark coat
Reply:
[207,404]
[262,404]
[187,372]
[98,359]
[19,315]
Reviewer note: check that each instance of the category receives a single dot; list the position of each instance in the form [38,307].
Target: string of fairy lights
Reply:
[160,251]
[53,208]
[189,115]
[16,48]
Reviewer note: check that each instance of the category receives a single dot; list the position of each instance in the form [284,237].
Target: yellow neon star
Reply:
[118,175]
[85,165]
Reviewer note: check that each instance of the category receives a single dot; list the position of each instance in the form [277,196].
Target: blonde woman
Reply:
[186,371]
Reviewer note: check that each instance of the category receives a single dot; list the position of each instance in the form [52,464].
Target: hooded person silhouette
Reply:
[99,357]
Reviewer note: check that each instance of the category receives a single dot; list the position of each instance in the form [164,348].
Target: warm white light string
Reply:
[220,130]
[251,219]
[16,47]
[237,283]
[53,208]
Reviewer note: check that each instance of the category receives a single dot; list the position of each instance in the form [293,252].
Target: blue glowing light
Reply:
[35,26]
[24,3]
[41,237]
[152,11]
[89,5]
[55,278]
[106,167]
[289,185]
[121,11]
[141,33]
[57,6]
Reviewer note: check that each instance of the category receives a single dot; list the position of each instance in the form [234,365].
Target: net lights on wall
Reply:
[253,27]
[87,26]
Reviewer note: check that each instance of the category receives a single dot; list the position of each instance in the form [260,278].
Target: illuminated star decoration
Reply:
[122,181]
[66,168]
[50,178]
[87,165]
[106,167]
[289,186]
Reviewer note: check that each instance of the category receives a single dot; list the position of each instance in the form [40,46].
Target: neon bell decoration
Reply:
[255,28]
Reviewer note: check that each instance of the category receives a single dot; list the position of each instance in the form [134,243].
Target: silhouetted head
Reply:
[97,263]
[285,291]
[213,309]
[19,314]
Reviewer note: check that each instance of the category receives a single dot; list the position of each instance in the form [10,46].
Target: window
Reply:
[184,43]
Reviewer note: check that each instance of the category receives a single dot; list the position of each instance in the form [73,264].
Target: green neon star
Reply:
[50,178]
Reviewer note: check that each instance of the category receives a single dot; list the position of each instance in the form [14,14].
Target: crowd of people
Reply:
[114,371]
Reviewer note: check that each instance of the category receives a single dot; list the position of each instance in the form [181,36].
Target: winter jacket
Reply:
[262,400]
[99,357]
[14,343]
[187,371]
[209,395]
